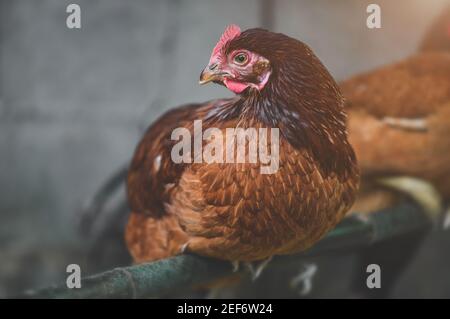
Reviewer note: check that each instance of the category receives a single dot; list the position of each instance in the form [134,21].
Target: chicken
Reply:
[399,120]
[232,211]
[437,38]
[399,126]
[406,106]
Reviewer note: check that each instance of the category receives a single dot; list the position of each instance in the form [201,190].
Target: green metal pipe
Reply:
[172,274]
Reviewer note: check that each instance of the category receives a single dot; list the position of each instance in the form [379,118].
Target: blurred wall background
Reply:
[73,103]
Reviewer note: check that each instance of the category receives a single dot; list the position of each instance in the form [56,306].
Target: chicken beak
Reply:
[211,73]
[207,76]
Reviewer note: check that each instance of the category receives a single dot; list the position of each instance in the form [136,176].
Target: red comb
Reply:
[231,32]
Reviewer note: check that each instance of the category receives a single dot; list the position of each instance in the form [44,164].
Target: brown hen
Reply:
[232,211]
[399,123]
[399,126]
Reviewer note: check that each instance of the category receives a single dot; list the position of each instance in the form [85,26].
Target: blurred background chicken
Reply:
[399,125]
[399,122]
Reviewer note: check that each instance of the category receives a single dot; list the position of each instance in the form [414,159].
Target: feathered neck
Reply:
[307,106]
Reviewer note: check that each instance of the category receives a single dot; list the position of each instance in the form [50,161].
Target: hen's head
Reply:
[236,66]
[255,58]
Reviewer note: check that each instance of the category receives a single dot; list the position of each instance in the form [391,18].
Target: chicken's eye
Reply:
[240,58]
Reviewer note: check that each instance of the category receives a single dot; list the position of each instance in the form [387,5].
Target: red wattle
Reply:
[235,86]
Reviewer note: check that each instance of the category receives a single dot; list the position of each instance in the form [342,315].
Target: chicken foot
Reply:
[302,282]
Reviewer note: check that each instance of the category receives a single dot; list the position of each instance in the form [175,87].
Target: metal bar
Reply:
[184,271]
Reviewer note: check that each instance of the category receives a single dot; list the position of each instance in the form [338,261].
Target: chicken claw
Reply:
[302,282]
[256,268]
[235,264]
